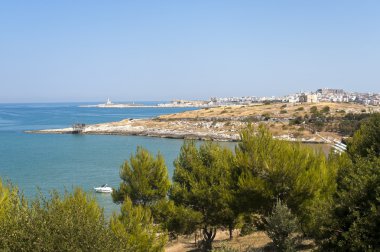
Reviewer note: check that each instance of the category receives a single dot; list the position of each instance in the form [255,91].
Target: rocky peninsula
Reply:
[225,123]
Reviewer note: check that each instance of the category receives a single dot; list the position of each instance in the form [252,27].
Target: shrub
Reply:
[72,222]
[297,120]
[283,111]
[325,109]
[314,109]
[300,109]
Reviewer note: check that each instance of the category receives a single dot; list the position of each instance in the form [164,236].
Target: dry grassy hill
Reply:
[277,110]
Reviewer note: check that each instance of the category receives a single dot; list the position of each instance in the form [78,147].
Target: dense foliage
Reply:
[144,179]
[352,222]
[71,222]
[267,170]
[366,140]
[135,229]
[202,183]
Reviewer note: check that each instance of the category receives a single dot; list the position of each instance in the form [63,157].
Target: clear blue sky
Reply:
[160,50]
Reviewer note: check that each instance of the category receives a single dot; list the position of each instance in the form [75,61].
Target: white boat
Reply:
[103,189]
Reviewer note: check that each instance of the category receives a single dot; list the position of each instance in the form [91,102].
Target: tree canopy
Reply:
[366,140]
[352,222]
[135,229]
[268,170]
[144,179]
[202,182]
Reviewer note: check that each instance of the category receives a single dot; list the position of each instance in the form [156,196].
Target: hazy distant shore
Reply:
[139,106]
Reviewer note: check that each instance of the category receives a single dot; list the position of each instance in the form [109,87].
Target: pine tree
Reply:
[281,227]
[144,179]
[267,169]
[352,222]
[202,182]
[366,140]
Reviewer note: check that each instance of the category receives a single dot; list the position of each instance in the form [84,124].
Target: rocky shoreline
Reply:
[178,129]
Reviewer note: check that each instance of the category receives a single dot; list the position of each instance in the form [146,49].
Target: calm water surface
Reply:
[62,162]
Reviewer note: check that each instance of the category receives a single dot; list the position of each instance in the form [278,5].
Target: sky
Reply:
[70,50]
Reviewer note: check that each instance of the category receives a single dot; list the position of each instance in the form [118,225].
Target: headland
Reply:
[305,122]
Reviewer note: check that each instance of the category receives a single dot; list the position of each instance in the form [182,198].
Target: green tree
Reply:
[366,140]
[352,221]
[202,182]
[281,227]
[135,229]
[267,169]
[144,179]
[176,219]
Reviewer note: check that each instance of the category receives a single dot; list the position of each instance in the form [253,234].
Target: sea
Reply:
[45,162]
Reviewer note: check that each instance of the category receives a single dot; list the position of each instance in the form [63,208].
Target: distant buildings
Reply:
[320,95]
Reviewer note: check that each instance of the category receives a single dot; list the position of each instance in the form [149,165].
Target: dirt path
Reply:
[256,240]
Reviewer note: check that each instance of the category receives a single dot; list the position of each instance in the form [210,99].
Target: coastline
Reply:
[177,129]
[224,123]
[143,106]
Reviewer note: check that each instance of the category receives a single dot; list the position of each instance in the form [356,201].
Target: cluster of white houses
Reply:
[321,95]
[334,95]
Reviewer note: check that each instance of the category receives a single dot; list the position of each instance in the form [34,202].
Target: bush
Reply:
[283,111]
[72,222]
[314,109]
[298,120]
[325,109]
[300,109]
[281,228]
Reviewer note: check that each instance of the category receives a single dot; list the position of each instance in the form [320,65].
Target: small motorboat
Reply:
[103,189]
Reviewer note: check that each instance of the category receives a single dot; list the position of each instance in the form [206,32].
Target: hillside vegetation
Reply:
[284,196]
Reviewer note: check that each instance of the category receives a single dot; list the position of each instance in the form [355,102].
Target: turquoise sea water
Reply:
[61,162]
